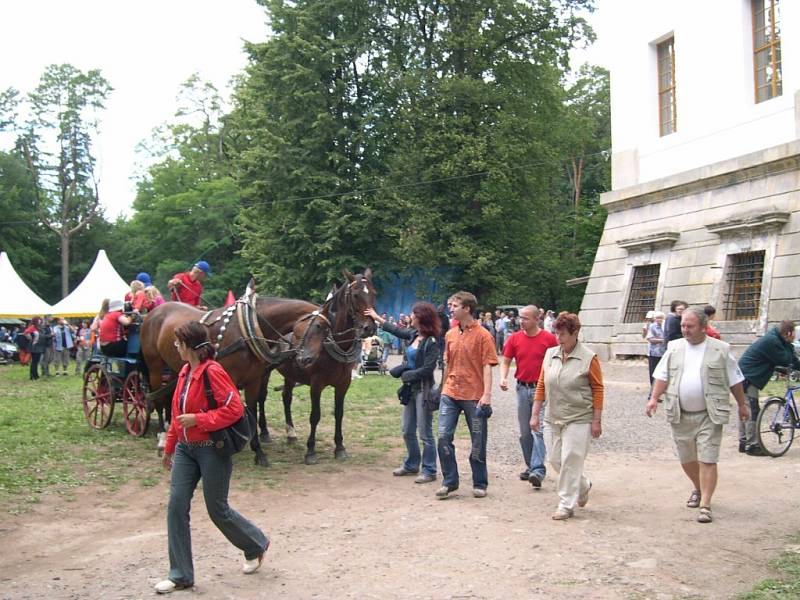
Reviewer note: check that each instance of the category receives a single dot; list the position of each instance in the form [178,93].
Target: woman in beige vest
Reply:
[571,386]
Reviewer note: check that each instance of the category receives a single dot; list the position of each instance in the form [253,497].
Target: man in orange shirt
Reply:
[469,353]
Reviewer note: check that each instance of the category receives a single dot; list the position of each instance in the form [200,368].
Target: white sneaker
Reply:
[251,566]
[168,586]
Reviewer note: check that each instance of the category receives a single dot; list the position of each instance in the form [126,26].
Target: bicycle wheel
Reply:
[775,426]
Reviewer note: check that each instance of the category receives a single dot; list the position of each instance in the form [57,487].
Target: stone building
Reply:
[705,200]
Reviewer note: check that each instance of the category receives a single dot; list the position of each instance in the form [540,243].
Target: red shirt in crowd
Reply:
[111,330]
[187,290]
[711,332]
[528,352]
[190,398]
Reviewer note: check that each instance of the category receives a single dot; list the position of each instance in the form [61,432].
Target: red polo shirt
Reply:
[187,290]
[528,351]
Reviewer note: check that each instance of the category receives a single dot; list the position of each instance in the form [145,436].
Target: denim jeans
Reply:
[417,419]
[531,442]
[189,465]
[449,410]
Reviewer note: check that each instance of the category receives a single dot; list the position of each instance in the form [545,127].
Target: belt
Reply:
[200,444]
[526,384]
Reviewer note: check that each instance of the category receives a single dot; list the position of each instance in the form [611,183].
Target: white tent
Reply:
[17,299]
[102,281]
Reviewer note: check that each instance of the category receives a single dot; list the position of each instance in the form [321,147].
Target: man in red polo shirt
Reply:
[188,287]
[528,346]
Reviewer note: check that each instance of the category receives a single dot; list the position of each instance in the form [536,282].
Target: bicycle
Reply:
[777,421]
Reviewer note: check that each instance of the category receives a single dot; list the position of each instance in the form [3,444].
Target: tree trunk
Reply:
[577,179]
[64,236]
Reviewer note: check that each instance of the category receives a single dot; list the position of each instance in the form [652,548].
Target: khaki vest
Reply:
[567,393]
[713,373]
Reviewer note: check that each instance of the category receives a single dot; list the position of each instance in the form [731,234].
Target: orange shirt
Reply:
[595,382]
[466,352]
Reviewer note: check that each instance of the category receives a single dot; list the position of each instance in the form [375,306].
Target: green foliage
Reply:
[787,584]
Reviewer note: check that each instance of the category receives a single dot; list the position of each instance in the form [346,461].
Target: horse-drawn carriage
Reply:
[110,380]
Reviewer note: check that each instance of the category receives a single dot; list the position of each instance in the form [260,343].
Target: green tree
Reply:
[57,146]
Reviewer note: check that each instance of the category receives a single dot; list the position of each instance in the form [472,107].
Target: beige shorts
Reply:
[697,438]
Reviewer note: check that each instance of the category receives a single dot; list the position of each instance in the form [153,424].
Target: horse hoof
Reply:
[291,435]
[265,438]
[311,459]
[340,454]
[261,460]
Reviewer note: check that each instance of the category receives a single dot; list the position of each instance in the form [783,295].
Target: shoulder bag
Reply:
[234,438]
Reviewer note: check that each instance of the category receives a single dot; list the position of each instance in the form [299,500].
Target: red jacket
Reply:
[229,404]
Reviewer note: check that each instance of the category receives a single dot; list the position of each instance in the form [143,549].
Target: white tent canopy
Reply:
[17,299]
[102,281]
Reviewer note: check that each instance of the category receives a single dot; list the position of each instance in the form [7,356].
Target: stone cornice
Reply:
[651,240]
[760,223]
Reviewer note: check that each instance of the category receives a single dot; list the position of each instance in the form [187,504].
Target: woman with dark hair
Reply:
[416,372]
[34,335]
[191,456]
[571,386]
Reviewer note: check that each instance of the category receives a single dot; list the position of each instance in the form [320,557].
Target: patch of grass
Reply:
[46,446]
[787,583]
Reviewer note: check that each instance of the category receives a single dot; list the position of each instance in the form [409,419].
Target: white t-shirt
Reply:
[690,388]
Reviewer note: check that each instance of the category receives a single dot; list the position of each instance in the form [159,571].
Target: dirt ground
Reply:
[361,533]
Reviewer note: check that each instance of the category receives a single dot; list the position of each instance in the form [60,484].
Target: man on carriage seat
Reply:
[112,330]
[188,287]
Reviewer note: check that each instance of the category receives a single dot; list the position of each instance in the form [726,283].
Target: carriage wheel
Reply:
[98,397]
[134,405]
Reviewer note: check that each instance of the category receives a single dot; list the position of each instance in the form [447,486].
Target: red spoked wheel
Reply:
[98,397]
[134,405]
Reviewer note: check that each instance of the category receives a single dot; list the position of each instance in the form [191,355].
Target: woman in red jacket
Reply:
[190,454]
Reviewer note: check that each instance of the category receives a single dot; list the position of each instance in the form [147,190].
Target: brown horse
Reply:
[247,349]
[343,324]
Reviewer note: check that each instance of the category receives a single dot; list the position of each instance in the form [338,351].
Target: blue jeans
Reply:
[189,465]
[531,442]
[449,410]
[417,419]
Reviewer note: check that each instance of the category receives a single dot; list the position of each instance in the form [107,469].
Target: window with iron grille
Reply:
[643,293]
[767,49]
[743,282]
[667,107]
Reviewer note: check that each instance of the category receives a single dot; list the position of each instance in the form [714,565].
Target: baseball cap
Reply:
[144,278]
[204,267]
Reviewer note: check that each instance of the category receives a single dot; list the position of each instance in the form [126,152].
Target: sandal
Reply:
[694,499]
[705,515]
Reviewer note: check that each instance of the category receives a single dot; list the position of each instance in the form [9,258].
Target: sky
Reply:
[145,49]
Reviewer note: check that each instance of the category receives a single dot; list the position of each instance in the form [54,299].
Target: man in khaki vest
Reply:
[697,374]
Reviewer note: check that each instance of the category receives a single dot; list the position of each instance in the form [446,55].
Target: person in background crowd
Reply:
[154,297]
[62,337]
[549,321]
[500,327]
[528,347]
[773,349]
[656,344]
[648,318]
[469,356]
[711,313]
[23,343]
[34,333]
[188,287]
[513,324]
[113,341]
[488,324]
[94,328]
[136,294]
[697,374]
[444,320]
[47,338]
[417,369]
[191,456]
[386,341]
[83,340]
[672,325]
[571,386]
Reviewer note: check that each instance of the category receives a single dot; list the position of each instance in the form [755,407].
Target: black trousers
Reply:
[652,363]
[35,358]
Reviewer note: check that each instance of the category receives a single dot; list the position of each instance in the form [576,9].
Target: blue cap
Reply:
[144,278]
[203,266]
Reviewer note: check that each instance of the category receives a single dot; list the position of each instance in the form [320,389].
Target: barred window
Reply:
[743,282]
[767,49]
[667,106]
[643,293]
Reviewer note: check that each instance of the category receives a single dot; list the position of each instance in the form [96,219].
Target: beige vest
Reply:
[567,393]
[713,373]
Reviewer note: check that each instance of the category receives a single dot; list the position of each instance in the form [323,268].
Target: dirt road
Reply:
[361,533]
